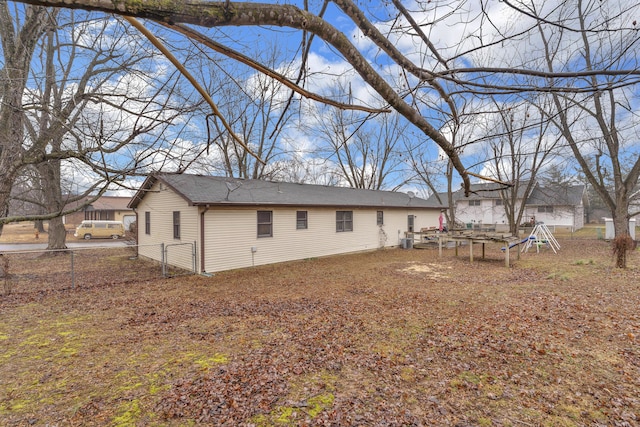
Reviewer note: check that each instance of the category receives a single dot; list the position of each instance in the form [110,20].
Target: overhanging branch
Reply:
[160,46]
[233,54]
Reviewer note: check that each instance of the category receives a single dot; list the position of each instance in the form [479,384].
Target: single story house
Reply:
[555,205]
[212,223]
[110,208]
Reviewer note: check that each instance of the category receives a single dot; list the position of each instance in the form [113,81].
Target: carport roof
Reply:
[199,190]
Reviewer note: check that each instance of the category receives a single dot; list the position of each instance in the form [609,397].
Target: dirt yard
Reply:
[393,337]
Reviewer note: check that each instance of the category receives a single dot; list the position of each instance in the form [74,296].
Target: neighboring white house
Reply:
[232,223]
[560,205]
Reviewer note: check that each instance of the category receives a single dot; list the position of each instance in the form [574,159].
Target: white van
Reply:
[96,229]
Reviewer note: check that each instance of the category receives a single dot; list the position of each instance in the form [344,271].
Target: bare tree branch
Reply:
[158,44]
[195,35]
[215,14]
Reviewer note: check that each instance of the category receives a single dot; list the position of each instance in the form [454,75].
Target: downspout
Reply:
[137,245]
[202,239]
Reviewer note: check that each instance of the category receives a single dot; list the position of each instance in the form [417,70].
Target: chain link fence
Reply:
[38,271]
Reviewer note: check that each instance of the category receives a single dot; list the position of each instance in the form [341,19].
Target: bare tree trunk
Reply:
[57,234]
[5,191]
[621,229]
[620,221]
[49,170]
[18,48]
[451,215]
[39,225]
[52,192]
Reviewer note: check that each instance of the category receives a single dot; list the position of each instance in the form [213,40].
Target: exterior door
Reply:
[410,223]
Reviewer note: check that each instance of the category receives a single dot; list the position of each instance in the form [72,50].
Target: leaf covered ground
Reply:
[393,337]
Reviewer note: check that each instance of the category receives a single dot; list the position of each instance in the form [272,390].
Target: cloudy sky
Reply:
[465,33]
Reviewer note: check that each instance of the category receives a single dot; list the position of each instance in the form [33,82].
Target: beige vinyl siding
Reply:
[161,203]
[396,222]
[231,234]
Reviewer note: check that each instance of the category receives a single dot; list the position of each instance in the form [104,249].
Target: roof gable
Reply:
[567,195]
[111,203]
[213,190]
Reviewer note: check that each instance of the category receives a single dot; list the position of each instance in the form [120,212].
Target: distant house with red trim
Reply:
[104,208]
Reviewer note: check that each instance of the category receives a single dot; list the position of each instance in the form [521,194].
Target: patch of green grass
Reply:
[130,413]
[309,407]
[291,415]
[285,415]
[408,374]
[155,383]
[562,276]
[319,403]
[16,405]
[216,359]
[556,421]
[473,378]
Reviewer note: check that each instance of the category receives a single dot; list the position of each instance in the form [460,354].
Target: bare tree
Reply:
[519,150]
[26,196]
[365,150]
[253,104]
[598,122]
[305,170]
[495,54]
[91,122]
[18,44]
[252,14]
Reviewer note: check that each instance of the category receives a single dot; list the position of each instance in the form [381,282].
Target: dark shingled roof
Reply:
[487,190]
[215,190]
[103,203]
[556,195]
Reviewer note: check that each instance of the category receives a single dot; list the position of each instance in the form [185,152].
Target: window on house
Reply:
[176,224]
[499,202]
[474,202]
[545,209]
[301,220]
[265,224]
[344,221]
[147,223]
[380,218]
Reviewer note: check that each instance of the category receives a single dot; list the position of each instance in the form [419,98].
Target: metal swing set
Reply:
[541,236]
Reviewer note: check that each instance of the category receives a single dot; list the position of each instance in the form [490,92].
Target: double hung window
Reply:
[265,223]
[344,221]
